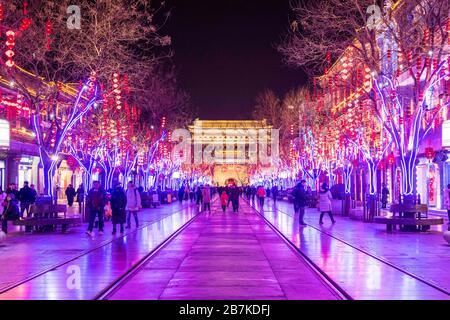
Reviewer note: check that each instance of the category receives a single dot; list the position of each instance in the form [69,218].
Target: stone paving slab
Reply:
[229,259]
[423,254]
[24,255]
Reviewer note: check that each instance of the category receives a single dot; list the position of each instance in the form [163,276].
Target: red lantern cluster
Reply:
[117,91]
[163,122]
[48,33]
[10,43]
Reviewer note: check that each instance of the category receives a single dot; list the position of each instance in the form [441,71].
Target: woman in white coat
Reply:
[325,202]
[133,204]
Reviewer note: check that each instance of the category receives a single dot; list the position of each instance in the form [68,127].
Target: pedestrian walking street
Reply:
[181,252]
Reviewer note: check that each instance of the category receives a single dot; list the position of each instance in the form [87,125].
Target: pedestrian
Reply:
[384,196]
[253,193]
[274,193]
[118,205]
[224,200]
[261,194]
[181,194]
[198,196]
[268,192]
[70,194]
[96,201]
[2,195]
[13,189]
[447,201]
[234,195]
[299,194]
[10,211]
[325,198]
[25,198]
[133,204]
[206,197]
[33,194]
[80,197]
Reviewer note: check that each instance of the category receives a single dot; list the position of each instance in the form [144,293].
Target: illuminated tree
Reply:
[397,57]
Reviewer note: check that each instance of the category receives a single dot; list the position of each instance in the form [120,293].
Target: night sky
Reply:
[225,53]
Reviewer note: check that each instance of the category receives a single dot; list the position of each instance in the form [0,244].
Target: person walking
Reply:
[198,195]
[96,201]
[10,211]
[447,201]
[274,193]
[234,195]
[181,194]
[325,198]
[133,204]
[118,204]
[224,200]
[25,198]
[384,196]
[70,194]
[206,196]
[299,194]
[261,194]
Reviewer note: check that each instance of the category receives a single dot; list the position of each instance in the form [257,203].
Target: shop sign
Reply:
[4,134]
[446,134]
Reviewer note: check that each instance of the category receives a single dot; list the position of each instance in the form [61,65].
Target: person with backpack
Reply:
[96,201]
[133,204]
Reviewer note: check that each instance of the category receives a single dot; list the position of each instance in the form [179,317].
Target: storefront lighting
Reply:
[55,158]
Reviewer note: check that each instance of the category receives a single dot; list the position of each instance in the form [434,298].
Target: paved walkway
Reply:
[226,256]
[363,277]
[100,259]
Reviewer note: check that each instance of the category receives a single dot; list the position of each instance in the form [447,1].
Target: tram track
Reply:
[111,289]
[103,244]
[365,252]
[341,293]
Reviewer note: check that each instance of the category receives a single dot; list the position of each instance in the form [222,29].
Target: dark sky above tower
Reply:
[225,53]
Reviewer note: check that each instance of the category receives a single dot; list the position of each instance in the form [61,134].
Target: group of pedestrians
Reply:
[10,200]
[229,195]
[300,195]
[123,203]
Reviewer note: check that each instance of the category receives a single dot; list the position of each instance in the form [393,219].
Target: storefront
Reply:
[28,170]
[428,183]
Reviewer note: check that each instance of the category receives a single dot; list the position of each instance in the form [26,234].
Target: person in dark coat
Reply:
[80,193]
[10,211]
[300,198]
[274,193]
[70,194]
[26,198]
[384,196]
[199,196]
[118,204]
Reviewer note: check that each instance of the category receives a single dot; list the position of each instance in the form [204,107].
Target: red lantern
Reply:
[10,43]
[429,153]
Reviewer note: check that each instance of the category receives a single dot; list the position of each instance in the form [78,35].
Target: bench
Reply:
[409,217]
[46,217]
[420,224]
